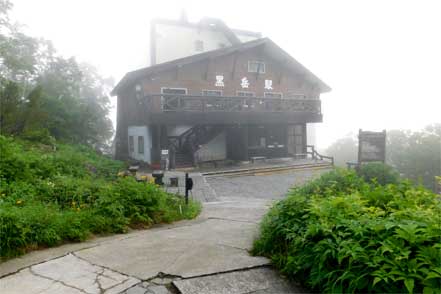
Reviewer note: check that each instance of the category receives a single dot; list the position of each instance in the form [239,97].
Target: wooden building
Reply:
[242,100]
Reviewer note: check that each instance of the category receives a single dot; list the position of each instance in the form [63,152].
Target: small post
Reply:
[186,188]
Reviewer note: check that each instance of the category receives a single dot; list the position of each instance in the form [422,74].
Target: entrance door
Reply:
[296,139]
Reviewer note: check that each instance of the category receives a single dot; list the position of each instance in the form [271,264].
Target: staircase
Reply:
[183,160]
[185,145]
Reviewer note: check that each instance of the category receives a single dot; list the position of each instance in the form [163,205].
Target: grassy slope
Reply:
[49,196]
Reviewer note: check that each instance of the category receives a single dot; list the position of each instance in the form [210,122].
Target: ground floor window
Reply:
[140,144]
[131,144]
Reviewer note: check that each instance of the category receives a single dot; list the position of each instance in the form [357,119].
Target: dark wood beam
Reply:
[233,70]
[207,68]
[260,55]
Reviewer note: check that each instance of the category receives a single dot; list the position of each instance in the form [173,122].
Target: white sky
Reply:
[381,58]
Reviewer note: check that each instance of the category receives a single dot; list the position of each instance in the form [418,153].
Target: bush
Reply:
[50,197]
[381,173]
[339,234]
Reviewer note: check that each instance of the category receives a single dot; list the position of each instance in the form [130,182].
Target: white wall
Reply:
[216,149]
[137,131]
[311,134]
[173,42]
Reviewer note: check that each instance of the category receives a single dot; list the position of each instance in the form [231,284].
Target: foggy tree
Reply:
[416,155]
[343,150]
[43,93]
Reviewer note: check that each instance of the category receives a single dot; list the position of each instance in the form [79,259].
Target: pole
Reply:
[186,188]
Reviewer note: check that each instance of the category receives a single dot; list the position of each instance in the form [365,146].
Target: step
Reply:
[270,169]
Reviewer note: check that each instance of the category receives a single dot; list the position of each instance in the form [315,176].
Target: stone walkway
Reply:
[205,255]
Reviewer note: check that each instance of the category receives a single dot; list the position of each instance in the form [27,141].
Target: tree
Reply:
[42,92]
[416,155]
[343,150]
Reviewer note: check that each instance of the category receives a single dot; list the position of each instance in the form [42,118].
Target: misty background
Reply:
[381,58]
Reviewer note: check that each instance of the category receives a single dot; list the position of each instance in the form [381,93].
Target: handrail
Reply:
[200,103]
[315,155]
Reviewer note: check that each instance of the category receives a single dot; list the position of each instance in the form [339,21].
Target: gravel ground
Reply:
[269,186]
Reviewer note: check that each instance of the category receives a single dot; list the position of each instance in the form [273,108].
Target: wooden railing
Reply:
[198,103]
[310,149]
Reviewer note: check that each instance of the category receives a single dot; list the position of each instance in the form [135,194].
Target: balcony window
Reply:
[256,66]
[245,94]
[295,95]
[177,91]
[272,95]
[211,92]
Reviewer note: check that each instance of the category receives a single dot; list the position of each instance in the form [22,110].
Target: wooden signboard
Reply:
[371,146]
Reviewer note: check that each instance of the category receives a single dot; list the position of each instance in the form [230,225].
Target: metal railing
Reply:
[199,103]
[310,149]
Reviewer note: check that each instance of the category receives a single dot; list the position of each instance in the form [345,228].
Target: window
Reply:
[140,144]
[295,95]
[256,66]
[199,46]
[245,94]
[131,144]
[179,91]
[272,95]
[212,92]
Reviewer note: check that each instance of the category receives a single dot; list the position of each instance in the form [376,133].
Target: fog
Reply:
[381,58]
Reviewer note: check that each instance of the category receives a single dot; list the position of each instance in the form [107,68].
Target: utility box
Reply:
[158,175]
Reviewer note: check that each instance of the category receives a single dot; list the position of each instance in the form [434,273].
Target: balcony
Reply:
[235,109]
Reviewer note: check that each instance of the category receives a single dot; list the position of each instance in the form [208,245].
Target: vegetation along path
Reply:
[205,255]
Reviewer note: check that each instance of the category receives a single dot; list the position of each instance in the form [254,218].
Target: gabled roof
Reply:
[276,51]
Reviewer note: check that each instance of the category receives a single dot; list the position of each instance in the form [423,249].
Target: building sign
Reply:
[371,146]
[244,82]
[219,81]
[268,84]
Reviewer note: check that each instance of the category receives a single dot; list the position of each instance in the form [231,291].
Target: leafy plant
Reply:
[340,234]
[49,196]
[381,173]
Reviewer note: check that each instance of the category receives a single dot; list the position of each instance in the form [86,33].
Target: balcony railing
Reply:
[198,103]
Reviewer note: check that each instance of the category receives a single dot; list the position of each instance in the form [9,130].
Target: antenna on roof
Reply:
[183,17]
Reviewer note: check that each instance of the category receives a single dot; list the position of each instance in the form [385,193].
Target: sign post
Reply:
[164,159]
[371,146]
[188,186]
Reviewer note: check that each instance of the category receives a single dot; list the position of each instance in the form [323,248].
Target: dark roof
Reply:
[133,76]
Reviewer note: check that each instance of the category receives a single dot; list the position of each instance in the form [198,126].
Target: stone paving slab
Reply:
[217,245]
[26,282]
[67,274]
[258,280]
[210,259]
[236,209]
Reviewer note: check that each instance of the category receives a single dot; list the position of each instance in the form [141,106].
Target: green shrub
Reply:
[336,235]
[379,172]
[49,196]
